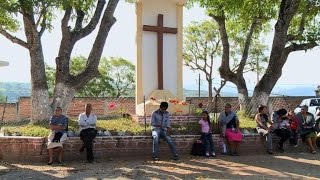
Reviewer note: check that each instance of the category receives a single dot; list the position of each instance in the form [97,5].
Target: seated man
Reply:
[87,123]
[58,135]
[160,124]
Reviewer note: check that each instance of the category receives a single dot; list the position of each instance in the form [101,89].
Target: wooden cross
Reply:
[160,29]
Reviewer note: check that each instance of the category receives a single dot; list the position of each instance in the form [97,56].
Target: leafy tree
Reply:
[203,47]
[123,73]
[99,86]
[80,19]
[296,28]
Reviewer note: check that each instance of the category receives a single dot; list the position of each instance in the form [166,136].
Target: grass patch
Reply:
[115,126]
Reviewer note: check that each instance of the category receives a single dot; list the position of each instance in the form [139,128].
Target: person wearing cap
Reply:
[306,123]
[160,124]
[282,127]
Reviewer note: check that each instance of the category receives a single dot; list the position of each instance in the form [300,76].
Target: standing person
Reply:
[160,124]
[229,124]
[58,135]
[87,123]
[306,128]
[206,134]
[293,120]
[282,127]
[262,120]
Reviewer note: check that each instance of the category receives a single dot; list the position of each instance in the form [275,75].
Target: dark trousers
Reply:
[208,142]
[294,138]
[87,136]
[284,134]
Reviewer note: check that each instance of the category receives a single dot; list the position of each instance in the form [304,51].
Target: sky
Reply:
[301,68]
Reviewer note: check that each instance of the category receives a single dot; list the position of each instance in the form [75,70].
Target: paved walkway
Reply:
[277,166]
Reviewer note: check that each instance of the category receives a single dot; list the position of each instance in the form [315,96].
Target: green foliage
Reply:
[97,87]
[123,73]
[116,77]
[246,121]
[116,125]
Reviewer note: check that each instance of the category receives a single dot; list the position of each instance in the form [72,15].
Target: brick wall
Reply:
[105,107]
[34,148]
[276,102]
[8,112]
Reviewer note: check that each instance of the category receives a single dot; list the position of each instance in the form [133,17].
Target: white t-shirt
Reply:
[86,122]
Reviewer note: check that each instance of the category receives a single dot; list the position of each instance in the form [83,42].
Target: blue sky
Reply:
[301,68]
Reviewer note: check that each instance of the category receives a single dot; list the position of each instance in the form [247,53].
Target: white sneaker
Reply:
[295,145]
[213,154]
[207,154]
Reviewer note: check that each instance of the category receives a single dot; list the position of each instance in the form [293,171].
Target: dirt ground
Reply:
[277,166]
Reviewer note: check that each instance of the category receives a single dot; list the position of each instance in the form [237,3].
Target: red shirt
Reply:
[293,123]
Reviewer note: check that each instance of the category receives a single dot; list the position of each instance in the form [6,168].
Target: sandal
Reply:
[313,152]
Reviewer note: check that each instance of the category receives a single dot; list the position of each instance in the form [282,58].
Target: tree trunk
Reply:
[243,96]
[278,56]
[63,95]
[39,96]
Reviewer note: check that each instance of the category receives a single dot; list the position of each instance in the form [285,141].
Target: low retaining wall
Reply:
[175,119]
[34,148]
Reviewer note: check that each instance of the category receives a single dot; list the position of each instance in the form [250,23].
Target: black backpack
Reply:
[198,148]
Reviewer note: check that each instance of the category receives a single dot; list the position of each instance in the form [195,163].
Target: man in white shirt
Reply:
[87,123]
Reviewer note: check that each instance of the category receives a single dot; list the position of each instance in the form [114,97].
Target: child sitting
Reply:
[206,134]
[294,128]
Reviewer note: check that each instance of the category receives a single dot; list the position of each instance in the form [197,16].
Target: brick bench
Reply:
[34,148]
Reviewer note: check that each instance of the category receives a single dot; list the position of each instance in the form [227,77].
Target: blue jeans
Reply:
[208,142]
[160,133]
[268,136]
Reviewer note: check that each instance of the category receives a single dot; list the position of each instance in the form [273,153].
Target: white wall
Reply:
[150,11]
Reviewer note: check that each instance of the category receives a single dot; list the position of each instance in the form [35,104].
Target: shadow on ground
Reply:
[277,166]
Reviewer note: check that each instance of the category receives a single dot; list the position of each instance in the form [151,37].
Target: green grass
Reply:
[24,128]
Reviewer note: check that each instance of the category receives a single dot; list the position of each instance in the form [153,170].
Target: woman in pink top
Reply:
[206,134]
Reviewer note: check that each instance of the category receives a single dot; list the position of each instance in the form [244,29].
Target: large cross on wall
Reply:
[160,30]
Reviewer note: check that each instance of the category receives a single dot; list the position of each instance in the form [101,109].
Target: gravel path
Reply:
[277,166]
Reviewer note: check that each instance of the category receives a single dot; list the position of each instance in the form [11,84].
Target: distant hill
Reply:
[14,90]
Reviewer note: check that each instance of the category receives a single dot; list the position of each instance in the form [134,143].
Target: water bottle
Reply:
[233,129]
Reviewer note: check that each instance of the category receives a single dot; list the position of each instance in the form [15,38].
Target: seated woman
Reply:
[229,124]
[262,120]
[282,127]
[206,134]
[306,128]
[58,135]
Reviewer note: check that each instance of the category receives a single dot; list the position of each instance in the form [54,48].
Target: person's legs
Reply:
[50,156]
[205,141]
[268,137]
[170,143]
[60,152]
[314,145]
[232,148]
[236,148]
[212,151]
[89,144]
[309,144]
[155,147]
[280,133]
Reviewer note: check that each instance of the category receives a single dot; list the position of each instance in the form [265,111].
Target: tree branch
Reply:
[94,20]
[224,69]
[246,47]
[79,21]
[300,47]
[65,20]
[14,39]
[91,70]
